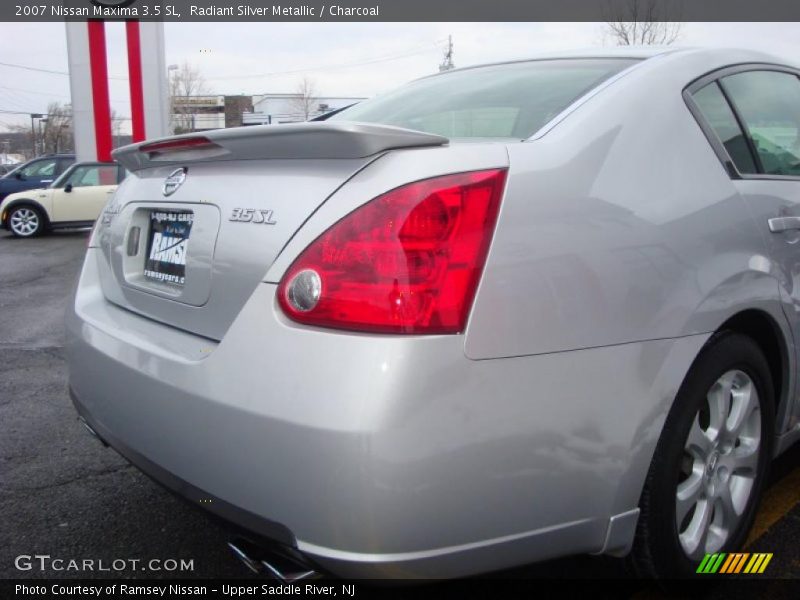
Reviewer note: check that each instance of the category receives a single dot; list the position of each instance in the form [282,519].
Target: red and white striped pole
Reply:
[88,69]
[98,65]
[88,78]
[147,70]
[135,75]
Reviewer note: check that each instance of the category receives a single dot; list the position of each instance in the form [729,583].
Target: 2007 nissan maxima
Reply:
[502,314]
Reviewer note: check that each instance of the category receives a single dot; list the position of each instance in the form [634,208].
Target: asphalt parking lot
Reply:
[63,494]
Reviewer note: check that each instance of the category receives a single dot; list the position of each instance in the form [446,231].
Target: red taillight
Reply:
[408,261]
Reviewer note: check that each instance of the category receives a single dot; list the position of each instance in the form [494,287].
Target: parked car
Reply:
[6,168]
[504,314]
[36,173]
[75,199]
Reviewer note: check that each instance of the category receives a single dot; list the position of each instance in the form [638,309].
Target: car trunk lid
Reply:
[192,232]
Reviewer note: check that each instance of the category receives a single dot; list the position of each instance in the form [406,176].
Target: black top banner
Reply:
[402,10]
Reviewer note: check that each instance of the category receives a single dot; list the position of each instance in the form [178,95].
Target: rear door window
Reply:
[93,175]
[768,103]
[720,117]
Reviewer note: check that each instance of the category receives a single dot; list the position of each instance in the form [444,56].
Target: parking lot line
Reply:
[777,502]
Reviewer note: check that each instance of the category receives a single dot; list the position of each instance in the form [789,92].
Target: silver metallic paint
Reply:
[479,458]
[224,274]
[621,245]
[307,141]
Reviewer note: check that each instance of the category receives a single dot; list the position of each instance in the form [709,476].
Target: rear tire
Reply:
[25,221]
[711,462]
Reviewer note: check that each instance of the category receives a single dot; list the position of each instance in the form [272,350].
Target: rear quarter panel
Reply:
[620,225]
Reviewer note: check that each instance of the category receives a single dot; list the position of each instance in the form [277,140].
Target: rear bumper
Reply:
[379,456]
[184,489]
[436,563]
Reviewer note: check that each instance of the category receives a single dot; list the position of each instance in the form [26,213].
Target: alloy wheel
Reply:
[719,465]
[24,222]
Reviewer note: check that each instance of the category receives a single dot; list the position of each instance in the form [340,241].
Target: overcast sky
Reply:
[344,59]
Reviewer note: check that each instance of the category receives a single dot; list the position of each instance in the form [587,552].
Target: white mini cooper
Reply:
[75,199]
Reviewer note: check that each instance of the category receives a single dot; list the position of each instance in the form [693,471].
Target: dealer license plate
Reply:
[167,245]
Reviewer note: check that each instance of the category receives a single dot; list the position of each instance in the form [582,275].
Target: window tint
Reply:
[91,175]
[40,168]
[500,101]
[64,164]
[769,104]
[720,117]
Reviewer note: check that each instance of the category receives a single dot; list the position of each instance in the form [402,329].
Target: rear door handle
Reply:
[778,224]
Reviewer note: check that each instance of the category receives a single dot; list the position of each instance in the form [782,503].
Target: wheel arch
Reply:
[764,330]
[766,324]
[25,202]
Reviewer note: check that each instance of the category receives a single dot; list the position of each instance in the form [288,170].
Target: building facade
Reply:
[201,113]
[272,109]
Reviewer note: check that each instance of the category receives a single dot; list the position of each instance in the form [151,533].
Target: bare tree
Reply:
[184,82]
[23,138]
[643,22]
[303,105]
[57,130]
[23,133]
[53,131]
[447,60]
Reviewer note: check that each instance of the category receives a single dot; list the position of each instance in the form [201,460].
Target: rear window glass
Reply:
[501,101]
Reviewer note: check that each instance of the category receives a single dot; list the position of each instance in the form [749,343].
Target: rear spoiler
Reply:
[295,140]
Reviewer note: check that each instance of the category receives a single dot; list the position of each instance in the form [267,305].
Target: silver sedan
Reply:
[500,315]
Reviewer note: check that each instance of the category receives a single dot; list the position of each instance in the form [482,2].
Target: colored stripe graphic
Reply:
[768,557]
[701,568]
[753,563]
[740,563]
[758,563]
[718,563]
[711,563]
[734,563]
[735,560]
[728,563]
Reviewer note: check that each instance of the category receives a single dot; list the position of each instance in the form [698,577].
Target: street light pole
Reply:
[42,135]
[33,131]
[172,90]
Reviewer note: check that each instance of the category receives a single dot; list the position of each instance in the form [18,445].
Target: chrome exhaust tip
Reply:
[276,562]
